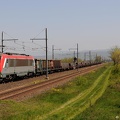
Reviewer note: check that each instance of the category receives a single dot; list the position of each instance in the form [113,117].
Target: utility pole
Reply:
[53,51]
[2,43]
[77,55]
[5,40]
[85,56]
[46,54]
[74,53]
[46,50]
[90,56]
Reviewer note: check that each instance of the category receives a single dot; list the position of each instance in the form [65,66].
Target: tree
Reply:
[115,55]
[70,60]
[98,59]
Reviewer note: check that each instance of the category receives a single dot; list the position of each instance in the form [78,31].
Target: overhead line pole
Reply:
[85,56]
[2,43]
[74,53]
[53,51]
[77,55]
[46,56]
[90,57]
[6,40]
[46,50]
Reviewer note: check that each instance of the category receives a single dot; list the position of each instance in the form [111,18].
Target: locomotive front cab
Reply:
[3,67]
[0,69]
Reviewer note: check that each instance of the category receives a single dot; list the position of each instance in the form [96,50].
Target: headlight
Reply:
[1,75]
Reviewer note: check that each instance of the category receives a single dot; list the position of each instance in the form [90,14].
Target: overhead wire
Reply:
[22,45]
[8,35]
[39,33]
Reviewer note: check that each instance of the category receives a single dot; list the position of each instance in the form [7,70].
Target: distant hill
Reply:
[103,53]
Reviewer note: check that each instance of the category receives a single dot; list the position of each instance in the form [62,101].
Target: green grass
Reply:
[79,103]
[108,106]
[64,102]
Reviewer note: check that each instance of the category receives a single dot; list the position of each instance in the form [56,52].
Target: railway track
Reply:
[22,92]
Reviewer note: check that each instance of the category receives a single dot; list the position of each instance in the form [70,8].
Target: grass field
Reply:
[85,98]
[108,106]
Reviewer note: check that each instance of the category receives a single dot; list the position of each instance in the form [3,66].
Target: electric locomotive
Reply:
[16,65]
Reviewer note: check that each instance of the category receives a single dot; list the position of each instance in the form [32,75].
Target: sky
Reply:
[93,24]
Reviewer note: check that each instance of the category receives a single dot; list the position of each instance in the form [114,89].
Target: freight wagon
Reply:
[53,66]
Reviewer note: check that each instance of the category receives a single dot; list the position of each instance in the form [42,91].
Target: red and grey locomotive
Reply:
[16,65]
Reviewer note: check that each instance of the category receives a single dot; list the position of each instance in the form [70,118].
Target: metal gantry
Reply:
[74,53]
[46,50]
[53,51]
[2,46]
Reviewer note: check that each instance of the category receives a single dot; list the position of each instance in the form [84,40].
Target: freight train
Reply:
[13,65]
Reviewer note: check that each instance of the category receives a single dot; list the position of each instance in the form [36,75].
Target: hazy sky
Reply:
[93,24]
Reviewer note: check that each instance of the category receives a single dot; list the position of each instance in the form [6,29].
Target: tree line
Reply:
[115,55]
